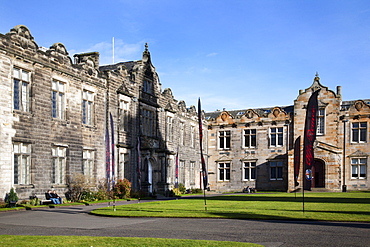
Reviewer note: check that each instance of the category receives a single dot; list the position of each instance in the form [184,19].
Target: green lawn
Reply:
[83,241]
[278,206]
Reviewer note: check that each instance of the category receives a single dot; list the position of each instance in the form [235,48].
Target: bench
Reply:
[249,190]
[42,201]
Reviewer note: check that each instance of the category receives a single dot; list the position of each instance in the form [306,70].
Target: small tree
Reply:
[11,198]
[122,189]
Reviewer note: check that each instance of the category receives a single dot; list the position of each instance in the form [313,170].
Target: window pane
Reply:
[246,173]
[253,173]
[25,76]
[17,73]
[221,174]
[16,94]
[354,171]
[362,171]
[227,174]
[273,172]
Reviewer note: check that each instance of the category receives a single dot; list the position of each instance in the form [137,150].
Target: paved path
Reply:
[75,220]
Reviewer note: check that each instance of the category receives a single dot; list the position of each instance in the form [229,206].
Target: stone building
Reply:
[254,147]
[54,113]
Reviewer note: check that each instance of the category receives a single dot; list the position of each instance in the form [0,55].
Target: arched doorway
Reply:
[318,174]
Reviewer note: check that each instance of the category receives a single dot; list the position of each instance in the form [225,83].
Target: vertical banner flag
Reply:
[107,158]
[204,169]
[112,130]
[309,139]
[177,169]
[297,159]
[138,163]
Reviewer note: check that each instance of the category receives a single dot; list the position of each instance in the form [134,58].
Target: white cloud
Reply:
[212,54]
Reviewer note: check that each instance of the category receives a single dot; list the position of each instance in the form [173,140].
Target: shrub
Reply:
[182,188]
[11,196]
[78,184]
[122,189]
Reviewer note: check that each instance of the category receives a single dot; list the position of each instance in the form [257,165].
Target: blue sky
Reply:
[233,54]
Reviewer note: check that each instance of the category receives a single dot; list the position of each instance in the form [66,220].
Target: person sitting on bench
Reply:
[55,195]
[49,196]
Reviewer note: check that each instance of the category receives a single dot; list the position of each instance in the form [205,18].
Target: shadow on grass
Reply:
[291,199]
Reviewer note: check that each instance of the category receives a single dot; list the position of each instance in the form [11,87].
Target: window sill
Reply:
[24,186]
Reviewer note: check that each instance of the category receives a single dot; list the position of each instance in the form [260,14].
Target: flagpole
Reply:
[204,169]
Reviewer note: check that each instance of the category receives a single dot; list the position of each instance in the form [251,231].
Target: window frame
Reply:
[224,171]
[148,118]
[250,168]
[88,163]
[123,115]
[58,107]
[250,138]
[276,169]
[359,133]
[21,90]
[59,165]
[361,163]
[320,121]
[22,163]
[224,139]
[88,104]
[277,137]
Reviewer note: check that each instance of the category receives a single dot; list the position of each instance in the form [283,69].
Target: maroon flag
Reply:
[309,139]
[138,163]
[177,169]
[112,133]
[204,168]
[107,158]
[297,159]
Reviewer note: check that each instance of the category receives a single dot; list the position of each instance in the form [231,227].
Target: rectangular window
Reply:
[250,138]
[223,171]
[359,132]
[148,87]
[182,133]
[22,163]
[224,139]
[192,173]
[276,137]
[276,170]
[320,121]
[58,165]
[88,164]
[192,136]
[57,97]
[359,167]
[87,107]
[182,172]
[169,129]
[123,115]
[147,122]
[249,169]
[21,89]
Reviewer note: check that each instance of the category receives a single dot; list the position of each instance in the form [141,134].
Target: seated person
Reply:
[49,196]
[55,195]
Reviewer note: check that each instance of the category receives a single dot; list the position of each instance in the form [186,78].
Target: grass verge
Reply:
[275,206]
[76,241]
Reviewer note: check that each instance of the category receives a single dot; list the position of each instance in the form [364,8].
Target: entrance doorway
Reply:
[318,174]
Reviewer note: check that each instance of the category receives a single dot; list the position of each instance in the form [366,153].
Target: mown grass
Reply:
[83,241]
[273,206]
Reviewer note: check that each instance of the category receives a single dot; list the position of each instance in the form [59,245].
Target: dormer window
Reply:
[148,87]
